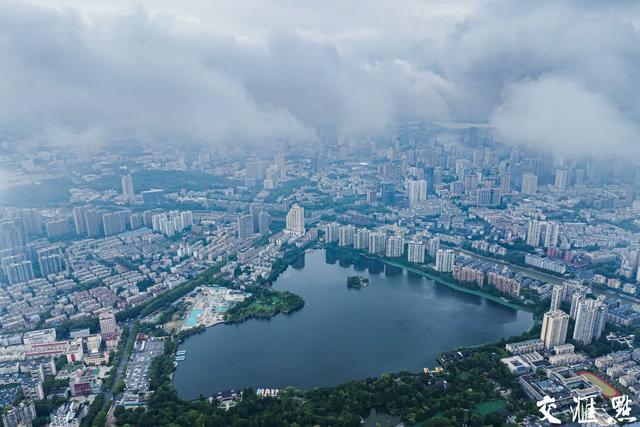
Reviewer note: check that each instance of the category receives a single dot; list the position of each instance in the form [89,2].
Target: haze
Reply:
[560,75]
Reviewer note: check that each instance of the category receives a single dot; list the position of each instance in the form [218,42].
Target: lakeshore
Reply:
[550,278]
[208,305]
[401,322]
[435,277]
[451,284]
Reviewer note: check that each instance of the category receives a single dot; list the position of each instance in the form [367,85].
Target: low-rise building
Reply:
[527,346]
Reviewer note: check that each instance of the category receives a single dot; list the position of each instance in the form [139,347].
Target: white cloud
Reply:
[146,74]
[124,76]
[561,115]
[256,71]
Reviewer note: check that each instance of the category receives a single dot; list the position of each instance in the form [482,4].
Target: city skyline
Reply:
[342,213]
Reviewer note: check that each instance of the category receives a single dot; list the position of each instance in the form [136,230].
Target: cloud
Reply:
[254,71]
[509,57]
[147,75]
[124,76]
[561,115]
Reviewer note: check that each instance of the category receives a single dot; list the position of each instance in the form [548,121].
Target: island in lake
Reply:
[357,282]
[264,302]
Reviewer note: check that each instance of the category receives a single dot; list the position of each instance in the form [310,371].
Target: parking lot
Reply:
[137,376]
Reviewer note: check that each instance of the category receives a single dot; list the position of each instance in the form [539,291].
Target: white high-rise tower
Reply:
[127,186]
[295,219]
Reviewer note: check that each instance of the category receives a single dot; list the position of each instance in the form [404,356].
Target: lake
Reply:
[401,321]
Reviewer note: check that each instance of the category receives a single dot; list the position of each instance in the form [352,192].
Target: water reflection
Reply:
[375,266]
[399,322]
[299,262]
[414,276]
[392,270]
[330,256]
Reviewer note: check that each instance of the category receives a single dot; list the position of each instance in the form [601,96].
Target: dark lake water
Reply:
[401,321]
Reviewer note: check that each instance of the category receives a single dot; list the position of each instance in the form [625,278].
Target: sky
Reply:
[555,74]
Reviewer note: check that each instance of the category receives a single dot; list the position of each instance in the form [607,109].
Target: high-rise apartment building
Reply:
[19,416]
[108,323]
[93,220]
[576,300]
[254,168]
[254,211]
[12,234]
[445,259]
[395,246]
[332,232]
[551,234]
[115,222]
[416,191]
[17,269]
[346,235]
[388,193]
[371,196]
[187,219]
[264,222]
[557,296]
[534,230]
[154,196]
[415,252]
[80,219]
[562,177]
[361,240]
[432,247]
[57,228]
[554,328]
[295,219]
[505,183]
[245,226]
[50,261]
[529,183]
[590,320]
[136,220]
[377,242]
[127,187]
[32,221]
[488,197]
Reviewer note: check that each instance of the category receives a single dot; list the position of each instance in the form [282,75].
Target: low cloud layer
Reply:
[561,114]
[561,75]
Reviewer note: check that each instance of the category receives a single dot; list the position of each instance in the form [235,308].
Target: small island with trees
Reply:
[264,303]
[357,282]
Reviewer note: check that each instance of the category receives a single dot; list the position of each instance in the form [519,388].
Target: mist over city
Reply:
[557,75]
[339,213]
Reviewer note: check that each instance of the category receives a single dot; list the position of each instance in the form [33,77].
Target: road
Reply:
[108,394]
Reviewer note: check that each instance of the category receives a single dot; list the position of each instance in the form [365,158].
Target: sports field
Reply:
[607,389]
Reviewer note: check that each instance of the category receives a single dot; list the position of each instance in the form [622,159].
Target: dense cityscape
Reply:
[276,213]
[108,255]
